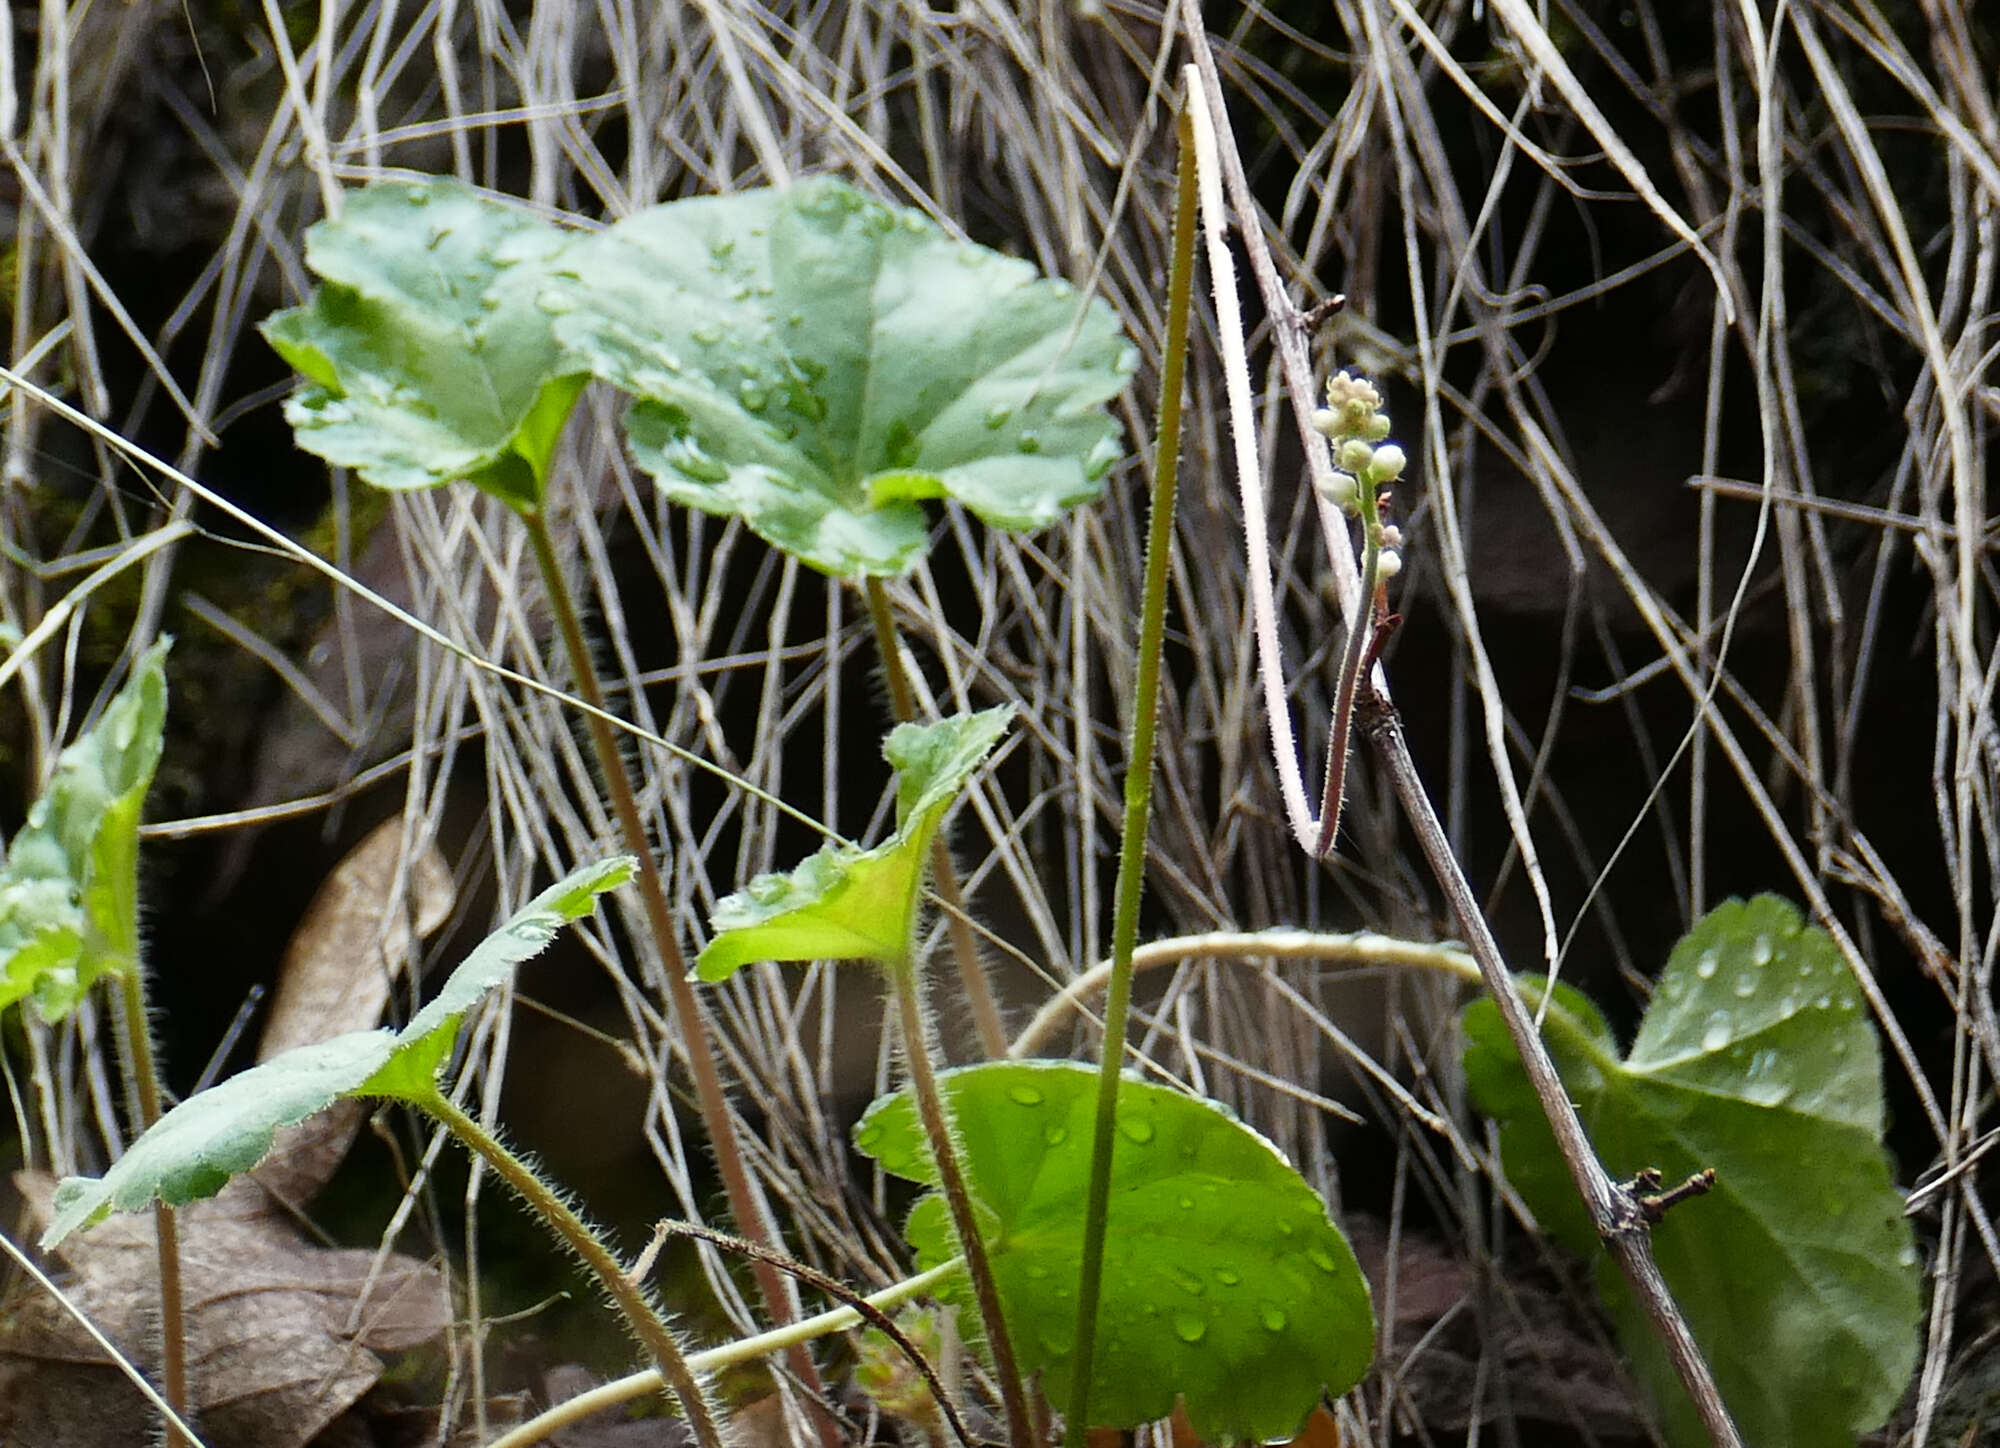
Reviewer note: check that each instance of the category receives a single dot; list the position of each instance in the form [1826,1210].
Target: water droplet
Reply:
[1272,1316]
[1055,1135]
[1705,967]
[1227,1276]
[1322,1259]
[1907,1257]
[1760,953]
[1285,1229]
[996,417]
[1185,1280]
[1024,1095]
[1787,1003]
[1136,1129]
[1037,1271]
[1746,986]
[752,394]
[707,334]
[1715,1035]
[1186,1202]
[1029,441]
[1189,1327]
[1824,1002]
[1805,970]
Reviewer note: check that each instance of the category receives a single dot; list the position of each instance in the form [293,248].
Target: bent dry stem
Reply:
[644,1319]
[743,1204]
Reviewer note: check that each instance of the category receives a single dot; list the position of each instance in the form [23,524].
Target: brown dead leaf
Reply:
[282,1333]
[356,937]
[1320,1431]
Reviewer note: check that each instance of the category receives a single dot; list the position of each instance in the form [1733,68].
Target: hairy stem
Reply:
[145,1077]
[944,875]
[907,981]
[716,1120]
[571,1411]
[639,1312]
[1138,790]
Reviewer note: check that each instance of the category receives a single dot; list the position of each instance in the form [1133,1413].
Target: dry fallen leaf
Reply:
[283,1334]
[356,937]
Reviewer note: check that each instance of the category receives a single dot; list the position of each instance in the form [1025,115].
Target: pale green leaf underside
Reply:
[220,1133]
[68,896]
[1798,1272]
[1224,1280]
[428,356]
[844,903]
[817,363]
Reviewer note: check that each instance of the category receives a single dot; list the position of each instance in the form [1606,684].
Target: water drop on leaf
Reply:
[1272,1316]
[1705,967]
[1024,1095]
[1190,1327]
[1715,1035]
[1135,1129]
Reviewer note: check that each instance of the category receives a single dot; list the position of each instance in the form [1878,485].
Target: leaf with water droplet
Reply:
[69,909]
[428,355]
[846,903]
[914,374]
[214,1135]
[1216,1248]
[1802,1300]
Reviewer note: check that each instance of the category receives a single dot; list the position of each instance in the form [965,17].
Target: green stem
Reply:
[944,875]
[145,1076]
[1138,791]
[716,1120]
[779,1339]
[640,1314]
[907,981]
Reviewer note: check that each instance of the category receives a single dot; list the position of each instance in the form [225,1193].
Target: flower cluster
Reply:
[1354,422]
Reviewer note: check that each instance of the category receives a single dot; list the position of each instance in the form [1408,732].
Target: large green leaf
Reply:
[1798,1273]
[815,363]
[1224,1281]
[428,357]
[69,908]
[845,903]
[220,1133]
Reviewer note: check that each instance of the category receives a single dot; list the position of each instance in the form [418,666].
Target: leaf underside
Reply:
[816,363]
[427,354]
[69,911]
[1798,1272]
[1225,1283]
[844,903]
[220,1133]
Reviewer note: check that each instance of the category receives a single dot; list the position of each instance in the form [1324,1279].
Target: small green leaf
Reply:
[816,363]
[845,903]
[1224,1280]
[220,1133]
[69,908]
[428,356]
[1798,1273]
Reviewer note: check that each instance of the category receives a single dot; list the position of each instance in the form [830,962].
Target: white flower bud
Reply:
[1343,492]
[1354,456]
[1388,564]
[1326,422]
[1376,429]
[1392,536]
[1388,464]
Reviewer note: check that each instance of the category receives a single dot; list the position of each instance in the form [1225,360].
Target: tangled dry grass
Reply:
[1699,596]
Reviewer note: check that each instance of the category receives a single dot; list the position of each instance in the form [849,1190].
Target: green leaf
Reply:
[1224,1280]
[428,356]
[845,903]
[69,908]
[195,1149]
[1798,1273]
[817,363]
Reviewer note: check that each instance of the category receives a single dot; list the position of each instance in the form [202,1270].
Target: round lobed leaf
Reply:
[1225,1283]
[817,363]
[428,356]
[1798,1273]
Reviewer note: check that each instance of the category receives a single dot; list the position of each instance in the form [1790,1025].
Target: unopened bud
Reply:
[1388,564]
[1343,492]
[1326,422]
[1354,456]
[1392,536]
[1377,428]
[1388,463]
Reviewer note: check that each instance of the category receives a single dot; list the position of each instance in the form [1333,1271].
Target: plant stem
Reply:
[908,983]
[944,875]
[637,1385]
[716,1120]
[1138,791]
[639,1312]
[145,1076]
